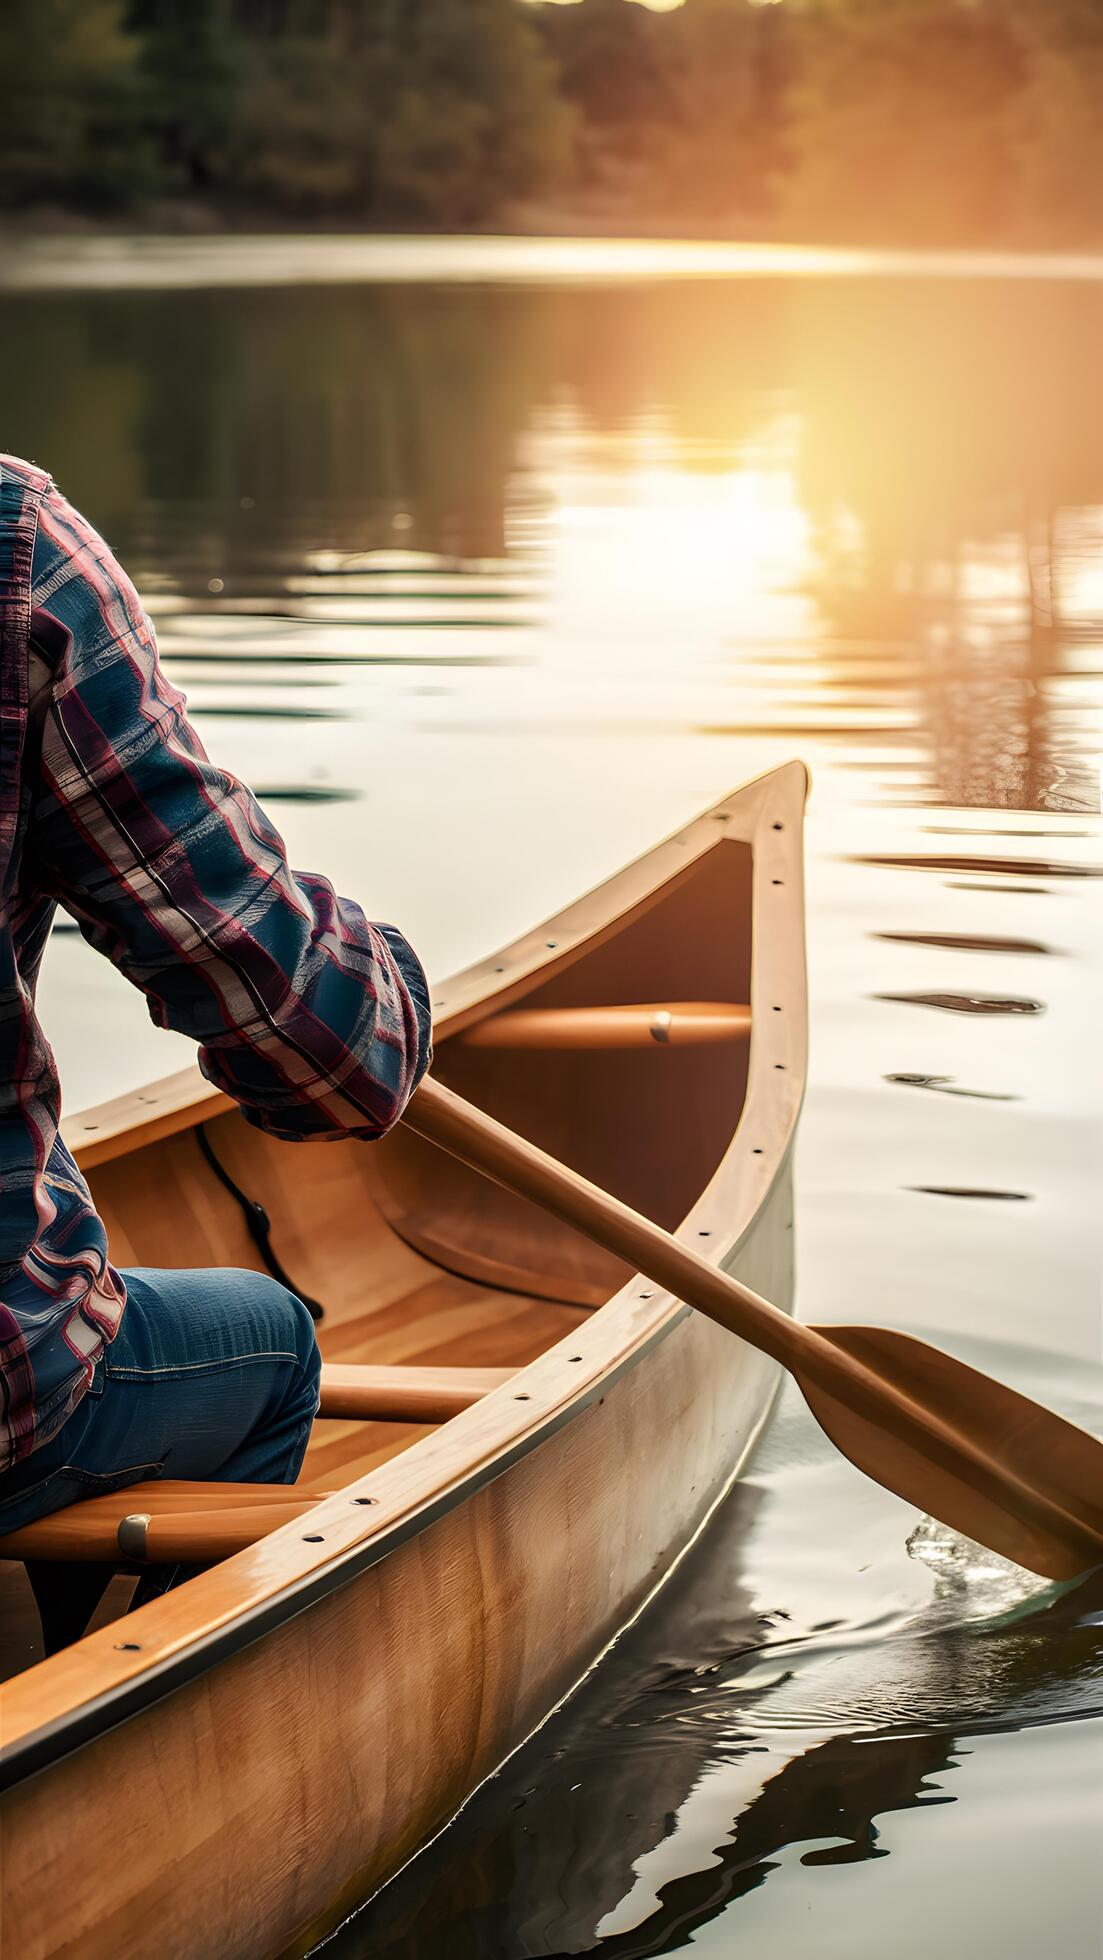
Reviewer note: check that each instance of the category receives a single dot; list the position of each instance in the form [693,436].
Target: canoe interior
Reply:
[416,1259]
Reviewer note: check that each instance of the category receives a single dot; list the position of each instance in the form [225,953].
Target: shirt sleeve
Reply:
[314,1020]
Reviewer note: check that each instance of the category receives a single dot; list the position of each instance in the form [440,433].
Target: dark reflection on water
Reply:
[306,793]
[992,830]
[1045,867]
[266,711]
[968,942]
[970,1003]
[821,1731]
[946,1086]
[857,520]
[1024,891]
[266,657]
[963,1191]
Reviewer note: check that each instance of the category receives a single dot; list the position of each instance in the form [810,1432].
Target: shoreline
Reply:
[198,220]
[121,260]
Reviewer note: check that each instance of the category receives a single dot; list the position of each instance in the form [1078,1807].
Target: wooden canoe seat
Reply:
[163,1521]
[193,1521]
[639,1024]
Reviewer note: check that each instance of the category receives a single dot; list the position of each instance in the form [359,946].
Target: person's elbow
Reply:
[340,1064]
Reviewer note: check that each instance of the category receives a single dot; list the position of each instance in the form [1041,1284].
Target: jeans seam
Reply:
[90,1480]
[194,1367]
[136,1472]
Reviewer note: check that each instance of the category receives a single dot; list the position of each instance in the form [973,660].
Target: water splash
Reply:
[978,1584]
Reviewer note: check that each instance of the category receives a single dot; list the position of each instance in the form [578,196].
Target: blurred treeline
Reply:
[913,120]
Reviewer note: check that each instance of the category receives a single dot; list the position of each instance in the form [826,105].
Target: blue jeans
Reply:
[212,1376]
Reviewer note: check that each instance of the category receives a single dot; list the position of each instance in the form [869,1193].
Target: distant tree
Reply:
[70,104]
[192,72]
[724,149]
[303,139]
[1060,122]
[903,120]
[613,58]
[908,121]
[470,112]
[434,111]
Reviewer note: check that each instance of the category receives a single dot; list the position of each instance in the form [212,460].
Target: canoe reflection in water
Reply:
[608,1832]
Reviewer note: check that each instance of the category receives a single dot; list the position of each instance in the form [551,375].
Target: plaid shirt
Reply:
[316,1022]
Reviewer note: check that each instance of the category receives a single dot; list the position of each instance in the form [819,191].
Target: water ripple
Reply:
[993,866]
[945,1086]
[968,1191]
[969,942]
[969,1003]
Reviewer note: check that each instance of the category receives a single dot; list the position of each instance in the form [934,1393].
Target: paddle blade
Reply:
[1035,1495]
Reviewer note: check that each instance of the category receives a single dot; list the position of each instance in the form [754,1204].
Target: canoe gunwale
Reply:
[623,1331]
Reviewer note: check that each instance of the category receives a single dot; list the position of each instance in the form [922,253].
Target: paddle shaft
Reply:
[457,1126]
[444,1118]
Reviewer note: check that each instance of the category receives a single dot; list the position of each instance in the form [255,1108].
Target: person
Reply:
[314,1020]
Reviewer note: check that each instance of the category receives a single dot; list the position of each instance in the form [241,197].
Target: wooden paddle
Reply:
[983,1459]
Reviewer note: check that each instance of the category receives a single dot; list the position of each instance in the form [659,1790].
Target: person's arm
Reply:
[314,1020]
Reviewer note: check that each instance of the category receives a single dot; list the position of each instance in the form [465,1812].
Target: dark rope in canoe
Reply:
[259,1224]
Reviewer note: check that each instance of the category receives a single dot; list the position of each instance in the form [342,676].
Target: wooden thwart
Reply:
[639,1024]
[354,1393]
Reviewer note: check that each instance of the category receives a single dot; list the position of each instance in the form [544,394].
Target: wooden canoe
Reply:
[231,1768]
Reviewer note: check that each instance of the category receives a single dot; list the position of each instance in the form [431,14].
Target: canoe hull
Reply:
[233,1812]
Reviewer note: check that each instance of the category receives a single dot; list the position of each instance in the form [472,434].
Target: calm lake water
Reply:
[491,564]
